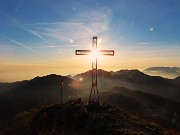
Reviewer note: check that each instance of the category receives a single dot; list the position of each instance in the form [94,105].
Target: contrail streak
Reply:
[21,26]
[13,41]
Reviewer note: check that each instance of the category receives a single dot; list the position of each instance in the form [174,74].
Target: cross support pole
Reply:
[62,85]
[94,95]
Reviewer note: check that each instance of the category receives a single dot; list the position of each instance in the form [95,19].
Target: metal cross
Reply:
[94,96]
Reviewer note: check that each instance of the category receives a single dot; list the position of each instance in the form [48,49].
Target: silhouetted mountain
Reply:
[135,76]
[144,104]
[77,118]
[177,79]
[131,76]
[40,90]
[46,90]
[134,79]
[7,86]
[167,72]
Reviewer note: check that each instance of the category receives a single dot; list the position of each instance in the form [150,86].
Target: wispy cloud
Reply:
[34,33]
[53,23]
[70,33]
[86,24]
[144,43]
[152,43]
[55,46]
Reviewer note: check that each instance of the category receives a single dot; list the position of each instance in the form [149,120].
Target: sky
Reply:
[39,37]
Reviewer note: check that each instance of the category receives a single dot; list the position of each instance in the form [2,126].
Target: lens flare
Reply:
[96,54]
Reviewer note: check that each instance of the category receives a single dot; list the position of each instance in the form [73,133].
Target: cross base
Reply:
[94,106]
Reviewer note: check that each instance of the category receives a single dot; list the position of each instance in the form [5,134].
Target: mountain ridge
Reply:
[39,90]
[134,79]
[46,90]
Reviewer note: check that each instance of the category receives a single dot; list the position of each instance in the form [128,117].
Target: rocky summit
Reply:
[77,118]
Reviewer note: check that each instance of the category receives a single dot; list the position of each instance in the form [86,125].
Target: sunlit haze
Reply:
[39,37]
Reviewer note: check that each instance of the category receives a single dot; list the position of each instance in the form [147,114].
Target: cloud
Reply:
[143,43]
[46,24]
[151,28]
[75,30]
[55,46]
[153,43]
[86,24]
[34,33]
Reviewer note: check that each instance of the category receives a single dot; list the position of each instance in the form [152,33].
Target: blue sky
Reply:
[44,34]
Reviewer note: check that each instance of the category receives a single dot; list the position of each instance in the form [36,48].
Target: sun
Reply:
[96,54]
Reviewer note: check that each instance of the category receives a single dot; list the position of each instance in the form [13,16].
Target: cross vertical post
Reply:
[94,95]
[62,85]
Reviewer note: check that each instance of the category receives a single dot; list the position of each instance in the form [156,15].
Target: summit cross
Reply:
[94,96]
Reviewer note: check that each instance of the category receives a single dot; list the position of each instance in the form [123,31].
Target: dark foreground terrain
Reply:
[77,118]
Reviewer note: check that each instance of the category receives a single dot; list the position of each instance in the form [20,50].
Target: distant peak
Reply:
[50,76]
[129,71]
[162,68]
[53,75]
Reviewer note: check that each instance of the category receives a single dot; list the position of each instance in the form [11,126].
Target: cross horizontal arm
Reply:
[106,52]
[99,52]
[83,52]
